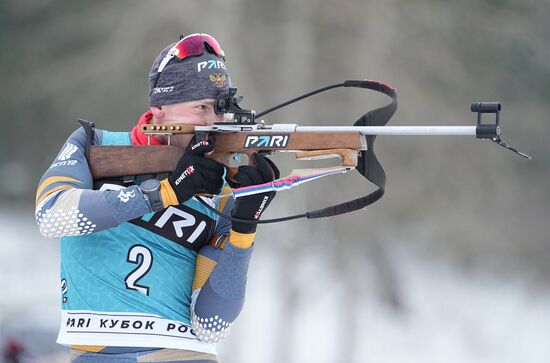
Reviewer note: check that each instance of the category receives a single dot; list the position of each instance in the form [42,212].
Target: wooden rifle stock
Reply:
[118,161]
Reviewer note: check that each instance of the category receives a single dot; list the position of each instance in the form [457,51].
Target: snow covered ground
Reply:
[447,315]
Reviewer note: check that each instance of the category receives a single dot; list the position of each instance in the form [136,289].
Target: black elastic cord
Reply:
[298,99]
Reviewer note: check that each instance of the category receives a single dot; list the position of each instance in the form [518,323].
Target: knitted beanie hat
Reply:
[192,78]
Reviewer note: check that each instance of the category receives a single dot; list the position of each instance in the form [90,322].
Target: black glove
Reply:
[251,207]
[195,173]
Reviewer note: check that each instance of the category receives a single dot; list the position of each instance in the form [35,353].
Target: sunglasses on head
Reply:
[191,45]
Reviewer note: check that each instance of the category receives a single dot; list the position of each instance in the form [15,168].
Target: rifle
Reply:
[242,135]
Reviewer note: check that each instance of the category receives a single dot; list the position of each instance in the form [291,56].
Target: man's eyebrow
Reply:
[206,100]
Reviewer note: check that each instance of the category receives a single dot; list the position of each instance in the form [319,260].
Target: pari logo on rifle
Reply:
[269,141]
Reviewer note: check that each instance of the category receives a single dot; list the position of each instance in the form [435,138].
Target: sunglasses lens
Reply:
[213,43]
[194,45]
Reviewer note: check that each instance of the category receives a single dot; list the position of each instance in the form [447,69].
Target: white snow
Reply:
[448,315]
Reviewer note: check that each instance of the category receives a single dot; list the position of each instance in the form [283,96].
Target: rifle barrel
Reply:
[486,129]
[396,130]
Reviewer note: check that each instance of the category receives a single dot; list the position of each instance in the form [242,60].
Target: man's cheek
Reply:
[181,140]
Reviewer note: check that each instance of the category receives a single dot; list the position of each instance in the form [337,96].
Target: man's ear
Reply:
[158,112]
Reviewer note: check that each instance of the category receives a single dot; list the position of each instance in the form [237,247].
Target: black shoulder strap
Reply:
[368,164]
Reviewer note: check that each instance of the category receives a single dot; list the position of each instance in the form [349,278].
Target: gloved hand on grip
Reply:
[251,207]
[194,173]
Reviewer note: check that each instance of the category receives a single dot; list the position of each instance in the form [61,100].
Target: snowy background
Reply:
[439,313]
[452,265]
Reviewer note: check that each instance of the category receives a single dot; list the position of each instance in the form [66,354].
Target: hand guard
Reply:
[195,173]
[251,207]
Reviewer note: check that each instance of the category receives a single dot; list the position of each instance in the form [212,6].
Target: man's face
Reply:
[198,113]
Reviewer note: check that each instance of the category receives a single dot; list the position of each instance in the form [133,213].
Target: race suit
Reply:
[132,278]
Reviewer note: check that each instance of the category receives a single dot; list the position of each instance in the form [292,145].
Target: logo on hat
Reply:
[163,89]
[210,64]
[218,79]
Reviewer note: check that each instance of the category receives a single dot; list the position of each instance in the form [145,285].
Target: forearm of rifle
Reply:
[348,157]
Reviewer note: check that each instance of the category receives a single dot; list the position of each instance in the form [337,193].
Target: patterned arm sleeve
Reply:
[219,286]
[67,205]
